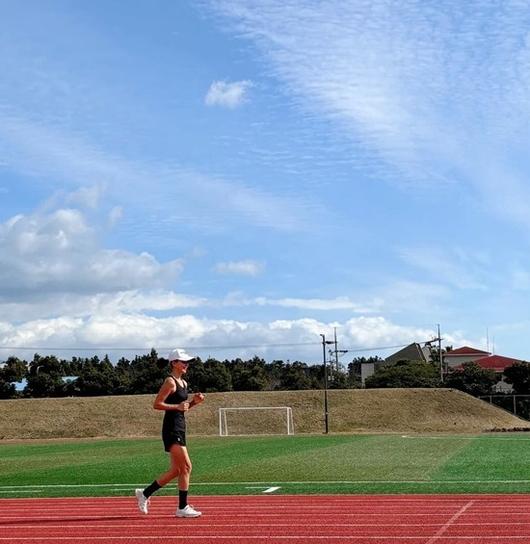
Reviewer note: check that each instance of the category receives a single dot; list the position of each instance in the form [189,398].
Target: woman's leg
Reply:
[175,467]
[180,465]
[142,496]
[182,460]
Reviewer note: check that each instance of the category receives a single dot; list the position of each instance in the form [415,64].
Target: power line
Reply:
[235,346]
[354,350]
[91,348]
[384,347]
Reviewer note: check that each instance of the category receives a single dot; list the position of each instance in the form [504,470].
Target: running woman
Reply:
[173,399]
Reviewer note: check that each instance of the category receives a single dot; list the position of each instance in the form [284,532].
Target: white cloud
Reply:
[53,305]
[230,95]
[286,339]
[141,331]
[240,268]
[377,331]
[59,252]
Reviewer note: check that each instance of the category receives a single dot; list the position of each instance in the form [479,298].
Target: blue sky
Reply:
[225,174]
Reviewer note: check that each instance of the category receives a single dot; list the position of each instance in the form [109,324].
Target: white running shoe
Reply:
[143,503]
[187,512]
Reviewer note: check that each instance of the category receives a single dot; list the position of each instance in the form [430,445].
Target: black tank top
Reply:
[174,420]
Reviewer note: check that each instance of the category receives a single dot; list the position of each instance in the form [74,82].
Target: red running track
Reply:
[297,519]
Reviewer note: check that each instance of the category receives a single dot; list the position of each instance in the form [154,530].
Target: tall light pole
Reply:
[326,414]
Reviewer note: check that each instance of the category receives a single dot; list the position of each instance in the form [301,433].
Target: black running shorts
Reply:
[173,437]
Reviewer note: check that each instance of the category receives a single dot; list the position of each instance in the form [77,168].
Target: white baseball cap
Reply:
[180,355]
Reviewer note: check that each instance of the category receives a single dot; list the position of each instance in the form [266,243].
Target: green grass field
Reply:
[492,463]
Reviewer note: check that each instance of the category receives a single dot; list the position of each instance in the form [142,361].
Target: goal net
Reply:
[248,420]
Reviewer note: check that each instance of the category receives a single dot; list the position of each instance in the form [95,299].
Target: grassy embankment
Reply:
[350,411]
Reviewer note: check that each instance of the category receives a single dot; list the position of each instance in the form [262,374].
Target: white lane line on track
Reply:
[231,538]
[241,511]
[129,513]
[443,529]
[367,505]
[203,525]
[310,509]
[268,490]
[273,501]
[239,517]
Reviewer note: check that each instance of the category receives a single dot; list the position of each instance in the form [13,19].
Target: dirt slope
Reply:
[359,410]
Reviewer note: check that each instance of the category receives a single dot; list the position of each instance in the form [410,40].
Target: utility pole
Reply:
[440,354]
[438,339]
[326,413]
[336,351]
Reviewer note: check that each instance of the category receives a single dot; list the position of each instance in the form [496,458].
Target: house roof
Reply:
[465,351]
[412,352]
[498,363]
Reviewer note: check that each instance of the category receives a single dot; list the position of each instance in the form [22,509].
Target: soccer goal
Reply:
[248,420]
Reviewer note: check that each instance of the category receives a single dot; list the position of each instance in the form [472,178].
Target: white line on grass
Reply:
[453,437]
[4,488]
[24,491]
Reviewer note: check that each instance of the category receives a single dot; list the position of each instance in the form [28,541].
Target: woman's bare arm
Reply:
[167,388]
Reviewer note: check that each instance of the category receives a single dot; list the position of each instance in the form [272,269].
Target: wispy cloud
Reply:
[454,267]
[229,95]
[240,268]
[338,303]
[429,96]
[320,304]
[57,157]
[50,305]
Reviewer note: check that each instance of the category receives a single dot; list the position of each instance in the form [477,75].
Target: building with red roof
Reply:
[453,360]
[497,363]
[466,351]
[457,357]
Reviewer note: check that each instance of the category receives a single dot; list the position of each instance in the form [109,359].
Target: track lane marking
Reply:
[449,523]
[381,538]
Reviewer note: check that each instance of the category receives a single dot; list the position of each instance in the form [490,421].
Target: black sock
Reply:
[150,489]
[183,498]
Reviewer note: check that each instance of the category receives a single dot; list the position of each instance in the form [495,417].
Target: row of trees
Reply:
[48,376]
